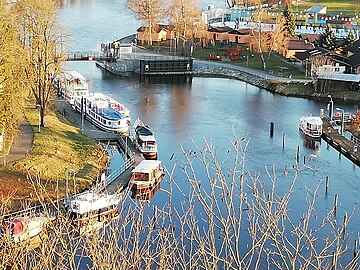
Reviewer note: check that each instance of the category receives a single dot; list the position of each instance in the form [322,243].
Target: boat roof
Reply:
[111,114]
[147,166]
[144,131]
[313,120]
[72,75]
[90,201]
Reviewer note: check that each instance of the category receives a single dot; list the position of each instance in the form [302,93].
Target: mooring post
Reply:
[283,140]
[356,243]
[326,184]
[298,154]
[335,203]
[271,129]
[345,224]
[304,159]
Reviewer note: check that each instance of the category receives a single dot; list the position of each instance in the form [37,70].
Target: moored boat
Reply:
[19,229]
[71,85]
[105,113]
[88,206]
[146,175]
[145,140]
[146,195]
[311,126]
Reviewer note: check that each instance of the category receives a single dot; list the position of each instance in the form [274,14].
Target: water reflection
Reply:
[311,143]
[145,195]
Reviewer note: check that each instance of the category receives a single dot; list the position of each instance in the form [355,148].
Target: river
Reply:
[184,111]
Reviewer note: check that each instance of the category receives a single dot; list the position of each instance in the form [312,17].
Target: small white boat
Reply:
[106,113]
[145,140]
[146,175]
[311,126]
[88,206]
[71,85]
[19,229]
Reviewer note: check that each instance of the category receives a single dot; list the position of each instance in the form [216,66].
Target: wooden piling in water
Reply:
[335,202]
[345,224]
[283,140]
[326,184]
[356,243]
[271,129]
[298,154]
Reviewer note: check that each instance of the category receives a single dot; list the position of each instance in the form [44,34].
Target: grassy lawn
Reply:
[344,6]
[58,147]
[254,62]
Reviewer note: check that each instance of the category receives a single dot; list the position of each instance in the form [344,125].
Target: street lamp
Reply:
[247,56]
[330,107]
[38,106]
[67,185]
[342,120]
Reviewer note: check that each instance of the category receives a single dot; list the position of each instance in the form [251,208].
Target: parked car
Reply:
[214,57]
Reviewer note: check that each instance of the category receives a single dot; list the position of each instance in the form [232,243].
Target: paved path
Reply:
[24,143]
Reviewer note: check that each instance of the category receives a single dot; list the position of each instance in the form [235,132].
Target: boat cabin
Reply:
[91,205]
[311,126]
[146,174]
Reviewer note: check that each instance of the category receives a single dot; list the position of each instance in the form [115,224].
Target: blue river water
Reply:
[184,111]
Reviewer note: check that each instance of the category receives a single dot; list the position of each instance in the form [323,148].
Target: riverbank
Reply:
[41,170]
[303,88]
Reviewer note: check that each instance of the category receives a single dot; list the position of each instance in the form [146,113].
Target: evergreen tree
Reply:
[289,22]
[327,39]
[350,38]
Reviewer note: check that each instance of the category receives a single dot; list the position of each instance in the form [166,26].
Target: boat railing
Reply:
[31,211]
[124,145]
[115,174]
[355,140]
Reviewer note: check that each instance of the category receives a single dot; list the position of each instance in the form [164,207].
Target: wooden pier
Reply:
[348,148]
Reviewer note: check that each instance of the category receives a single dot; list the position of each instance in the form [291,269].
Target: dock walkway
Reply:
[349,148]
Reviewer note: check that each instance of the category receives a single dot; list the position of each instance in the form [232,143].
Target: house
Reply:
[219,33]
[160,33]
[354,61]
[241,36]
[314,15]
[353,48]
[309,38]
[294,45]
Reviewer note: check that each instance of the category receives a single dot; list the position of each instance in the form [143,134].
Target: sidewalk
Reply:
[24,143]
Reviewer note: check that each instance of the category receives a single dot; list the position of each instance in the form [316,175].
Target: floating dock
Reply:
[350,148]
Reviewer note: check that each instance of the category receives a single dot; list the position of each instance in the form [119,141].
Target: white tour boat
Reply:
[146,175]
[71,85]
[90,205]
[105,113]
[311,126]
[145,140]
[19,229]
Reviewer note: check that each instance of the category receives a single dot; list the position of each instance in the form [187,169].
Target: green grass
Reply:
[254,62]
[58,147]
[333,6]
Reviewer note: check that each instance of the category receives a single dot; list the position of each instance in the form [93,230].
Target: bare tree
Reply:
[42,35]
[186,17]
[267,35]
[223,217]
[149,11]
